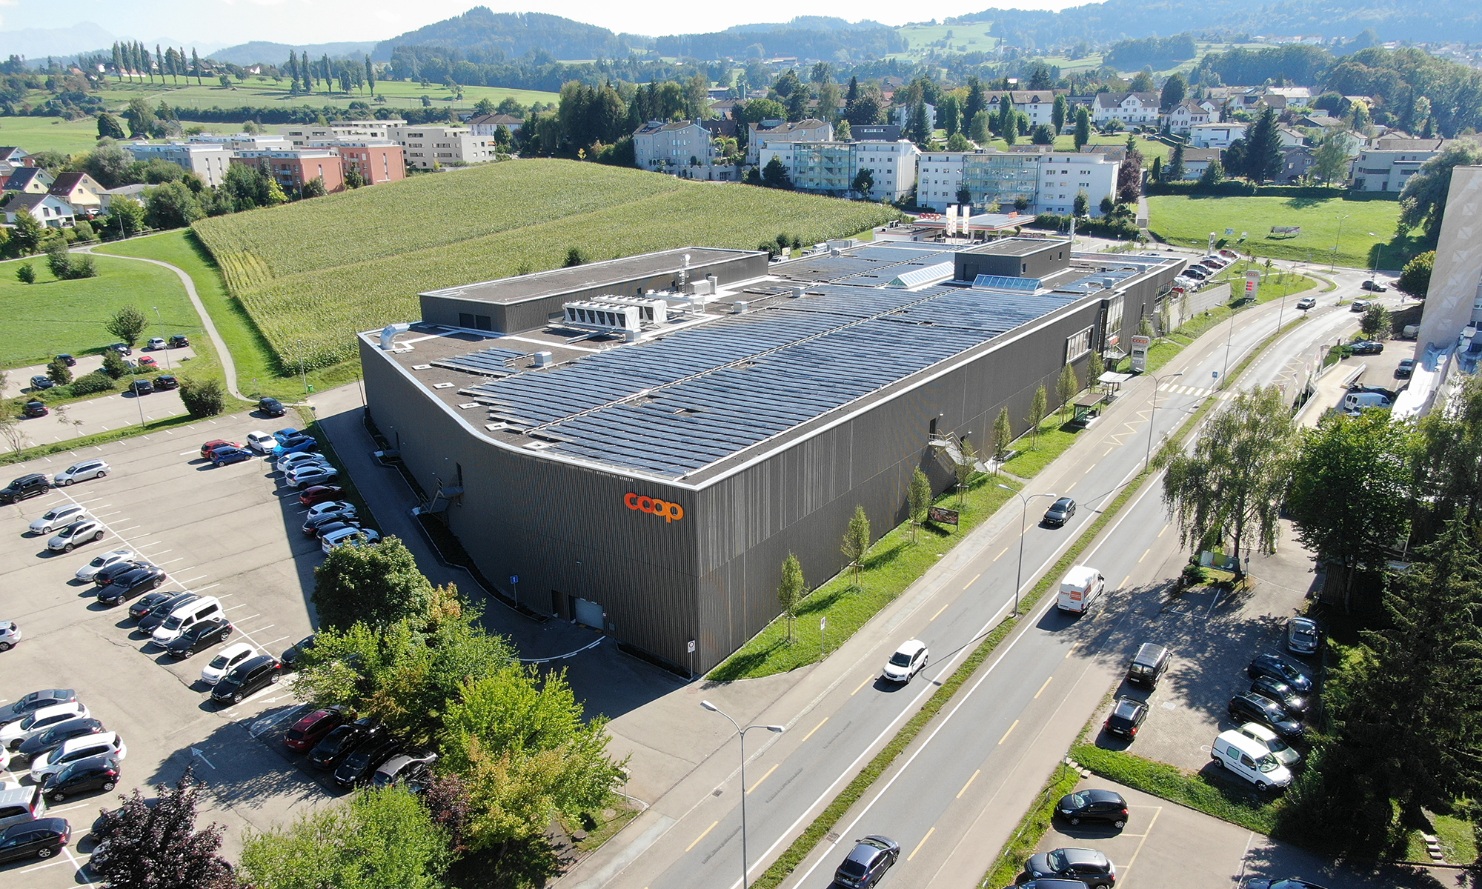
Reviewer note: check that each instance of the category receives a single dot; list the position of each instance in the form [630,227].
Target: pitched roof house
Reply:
[30,180]
[49,210]
[80,190]
[1129,108]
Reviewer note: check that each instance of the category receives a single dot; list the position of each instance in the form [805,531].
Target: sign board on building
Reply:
[941,516]
[1140,345]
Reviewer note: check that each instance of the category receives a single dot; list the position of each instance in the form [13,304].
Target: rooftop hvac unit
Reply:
[600,317]
[797,291]
[702,288]
[740,307]
[543,359]
[650,311]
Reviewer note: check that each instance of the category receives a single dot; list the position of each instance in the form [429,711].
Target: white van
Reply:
[1358,401]
[1082,586]
[1250,759]
[185,617]
[1280,749]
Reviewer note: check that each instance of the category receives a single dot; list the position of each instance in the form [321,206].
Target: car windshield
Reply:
[1268,763]
[1078,799]
[1275,744]
[220,661]
[173,623]
[900,659]
[1056,860]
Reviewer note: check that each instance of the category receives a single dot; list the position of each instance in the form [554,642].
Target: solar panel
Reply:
[489,362]
[1002,282]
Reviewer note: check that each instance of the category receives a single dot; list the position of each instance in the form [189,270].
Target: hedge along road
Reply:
[228,367]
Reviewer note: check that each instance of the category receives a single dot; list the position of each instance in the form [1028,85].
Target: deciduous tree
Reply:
[202,397]
[965,469]
[1415,278]
[377,585]
[856,541]
[1003,434]
[1066,387]
[1375,322]
[58,372]
[1039,408]
[159,847]
[919,500]
[128,324]
[1423,199]
[790,589]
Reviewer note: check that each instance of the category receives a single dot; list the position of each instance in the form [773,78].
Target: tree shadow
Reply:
[879,558]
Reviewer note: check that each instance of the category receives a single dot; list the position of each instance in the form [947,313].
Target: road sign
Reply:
[514,579]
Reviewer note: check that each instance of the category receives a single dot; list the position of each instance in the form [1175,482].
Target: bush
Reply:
[114,365]
[58,372]
[88,384]
[26,273]
[203,398]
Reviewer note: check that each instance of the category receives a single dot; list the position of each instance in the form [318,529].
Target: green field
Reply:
[1367,232]
[1150,148]
[314,273]
[263,91]
[942,39]
[68,316]
[36,134]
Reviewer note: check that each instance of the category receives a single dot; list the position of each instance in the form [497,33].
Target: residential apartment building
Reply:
[1062,176]
[432,147]
[1389,162]
[1132,109]
[246,142]
[489,124]
[1186,115]
[1048,181]
[1216,135]
[297,167]
[207,160]
[905,114]
[376,160]
[1038,105]
[683,148]
[777,132]
[301,136]
[831,167]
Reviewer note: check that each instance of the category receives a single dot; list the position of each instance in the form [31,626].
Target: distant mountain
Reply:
[35,44]
[277,53]
[1102,23]
[811,37]
[514,34]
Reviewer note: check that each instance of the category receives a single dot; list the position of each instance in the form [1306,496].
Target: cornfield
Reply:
[314,273]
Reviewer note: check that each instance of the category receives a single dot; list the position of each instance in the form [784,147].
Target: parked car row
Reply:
[357,751]
[1270,715]
[66,749]
[1197,274]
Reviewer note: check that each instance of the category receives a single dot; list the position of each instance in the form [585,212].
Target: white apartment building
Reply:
[681,147]
[430,147]
[245,142]
[1063,176]
[1389,162]
[1038,105]
[1216,135]
[1133,109]
[301,135]
[1049,182]
[831,167]
[1186,115]
[776,132]
[207,160]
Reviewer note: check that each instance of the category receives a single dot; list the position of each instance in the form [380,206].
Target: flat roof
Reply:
[507,291]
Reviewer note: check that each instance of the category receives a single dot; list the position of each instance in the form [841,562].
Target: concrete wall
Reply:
[1454,280]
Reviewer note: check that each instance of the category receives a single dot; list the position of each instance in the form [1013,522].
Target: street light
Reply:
[1019,571]
[1152,421]
[1378,255]
[162,325]
[741,733]
[1334,265]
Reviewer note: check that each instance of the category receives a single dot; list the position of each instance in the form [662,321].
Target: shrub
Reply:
[26,273]
[88,384]
[114,364]
[58,372]
[203,398]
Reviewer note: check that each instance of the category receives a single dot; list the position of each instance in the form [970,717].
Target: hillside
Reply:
[277,53]
[809,37]
[314,273]
[510,35]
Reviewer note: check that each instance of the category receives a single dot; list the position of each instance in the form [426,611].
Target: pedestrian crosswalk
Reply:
[1185,390]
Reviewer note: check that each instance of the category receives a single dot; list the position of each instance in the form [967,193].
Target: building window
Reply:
[1077,344]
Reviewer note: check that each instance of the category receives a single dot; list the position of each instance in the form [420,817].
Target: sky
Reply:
[218,23]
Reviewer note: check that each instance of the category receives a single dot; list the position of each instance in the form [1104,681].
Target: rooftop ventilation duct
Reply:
[388,335]
[543,359]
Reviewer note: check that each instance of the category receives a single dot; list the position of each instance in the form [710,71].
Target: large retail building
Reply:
[638,444]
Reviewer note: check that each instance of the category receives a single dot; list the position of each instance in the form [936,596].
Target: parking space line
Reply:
[120,531]
[245,618]
[271,641]
[263,629]
[703,834]
[206,587]
[266,723]
[814,729]
[920,844]
[976,773]
[1135,852]
[757,783]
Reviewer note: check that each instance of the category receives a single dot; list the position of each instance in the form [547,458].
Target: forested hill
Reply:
[811,37]
[511,35]
[1097,23]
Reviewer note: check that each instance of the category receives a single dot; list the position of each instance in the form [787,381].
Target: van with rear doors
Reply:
[1080,589]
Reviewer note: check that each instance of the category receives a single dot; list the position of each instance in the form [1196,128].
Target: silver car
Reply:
[1303,636]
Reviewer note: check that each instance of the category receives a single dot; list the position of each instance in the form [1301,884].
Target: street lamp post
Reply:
[1153,420]
[741,733]
[162,325]
[1334,265]
[1023,513]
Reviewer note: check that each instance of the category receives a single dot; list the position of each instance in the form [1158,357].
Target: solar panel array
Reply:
[1098,281]
[1001,282]
[489,362]
[677,404]
[923,275]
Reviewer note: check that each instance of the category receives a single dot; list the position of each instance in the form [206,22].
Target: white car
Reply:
[75,749]
[342,508]
[303,476]
[261,442]
[10,634]
[349,536]
[155,343]
[76,534]
[81,472]
[59,517]
[223,663]
[90,570]
[17,732]
[1307,302]
[907,661]
[289,462]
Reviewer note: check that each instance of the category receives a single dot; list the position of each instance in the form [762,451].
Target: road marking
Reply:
[939,612]
[1164,531]
[867,681]
[1135,852]
[1126,580]
[1001,554]
[1144,555]
[706,832]
[757,783]
[1006,734]
[920,844]
[969,783]
[815,728]
[1042,688]
[969,584]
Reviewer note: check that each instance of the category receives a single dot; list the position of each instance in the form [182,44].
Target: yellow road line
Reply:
[939,611]
[920,844]
[1164,531]
[867,681]
[1000,555]
[969,584]
[815,728]
[1000,740]
[1126,580]
[703,834]
[969,783]
[1043,687]
[1143,556]
[757,783]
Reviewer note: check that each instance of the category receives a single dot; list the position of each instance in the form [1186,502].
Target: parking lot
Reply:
[229,532]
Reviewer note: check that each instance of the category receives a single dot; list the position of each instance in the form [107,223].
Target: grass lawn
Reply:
[1221,799]
[961,37]
[1367,232]
[267,93]
[68,316]
[36,134]
[1031,828]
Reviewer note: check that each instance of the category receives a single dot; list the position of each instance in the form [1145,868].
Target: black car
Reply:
[147,603]
[1279,668]
[207,632]
[26,486]
[109,573]
[1059,512]
[1374,286]
[1251,707]
[104,825]
[141,387]
[35,701]
[1127,714]
[295,652]
[343,740]
[161,612]
[271,407]
[1093,805]
[1292,883]
[54,737]
[130,584]
[247,677]
[41,838]
[360,765]
[1087,865]
[39,383]
[164,382]
[67,359]
[338,523]
[92,773]
[1403,371]
[1283,694]
[1365,347]
[35,409]
[867,862]
[315,526]
[122,348]
[179,341]
[412,769]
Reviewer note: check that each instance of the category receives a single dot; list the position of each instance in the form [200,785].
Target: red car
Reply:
[319,494]
[215,443]
[310,729]
[147,362]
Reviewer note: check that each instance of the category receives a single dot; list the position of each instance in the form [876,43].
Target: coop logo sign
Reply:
[671,512]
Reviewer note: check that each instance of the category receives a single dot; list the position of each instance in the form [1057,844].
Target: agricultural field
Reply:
[265,92]
[37,134]
[1363,231]
[68,316]
[312,274]
[943,39]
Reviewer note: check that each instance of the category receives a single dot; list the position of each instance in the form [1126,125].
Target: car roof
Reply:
[236,648]
[911,646]
[1125,705]
[1102,796]
[54,825]
[1076,855]
[72,744]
